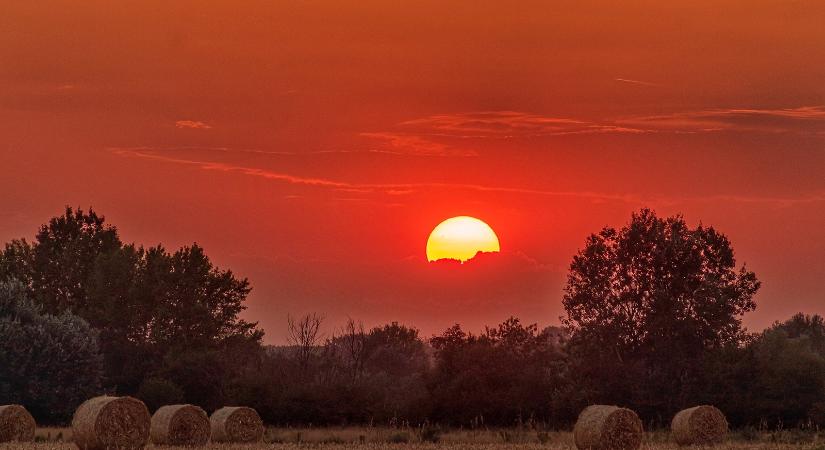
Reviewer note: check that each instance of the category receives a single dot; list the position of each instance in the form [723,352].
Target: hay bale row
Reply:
[602,427]
[16,424]
[236,424]
[104,423]
[700,425]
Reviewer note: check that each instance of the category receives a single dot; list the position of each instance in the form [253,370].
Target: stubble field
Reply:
[353,438]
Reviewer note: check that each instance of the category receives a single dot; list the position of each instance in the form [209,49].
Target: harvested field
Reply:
[349,438]
[420,446]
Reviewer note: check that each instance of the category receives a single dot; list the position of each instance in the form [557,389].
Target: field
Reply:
[355,438]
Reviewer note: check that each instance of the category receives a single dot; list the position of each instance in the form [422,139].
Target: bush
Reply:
[399,438]
[50,363]
[157,392]
[430,433]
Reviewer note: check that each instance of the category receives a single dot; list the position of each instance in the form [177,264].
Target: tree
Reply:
[304,334]
[507,375]
[808,327]
[777,379]
[395,367]
[789,381]
[156,309]
[150,307]
[16,261]
[647,301]
[65,253]
[50,363]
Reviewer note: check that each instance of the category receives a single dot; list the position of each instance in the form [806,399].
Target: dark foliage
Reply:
[645,302]
[507,375]
[653,323]
[158,314]
[357,376]
[50,363]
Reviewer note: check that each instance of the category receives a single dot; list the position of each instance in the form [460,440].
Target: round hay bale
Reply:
[236,424]
[105,423]
[180,425]
[700,425]
[16,424]
[602,427]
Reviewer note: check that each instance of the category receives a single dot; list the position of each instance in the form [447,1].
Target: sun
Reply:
[461,238]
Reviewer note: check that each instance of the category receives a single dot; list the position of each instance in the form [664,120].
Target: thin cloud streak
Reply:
[516,124]
[637,82]
[447,150]
[387,188]
[400,189]
[411,144]
[805,120]
[507,124]
[194,124]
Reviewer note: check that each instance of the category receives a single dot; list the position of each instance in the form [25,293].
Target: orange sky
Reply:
[312,146]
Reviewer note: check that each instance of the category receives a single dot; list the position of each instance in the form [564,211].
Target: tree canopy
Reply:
[152,308]
[646,301]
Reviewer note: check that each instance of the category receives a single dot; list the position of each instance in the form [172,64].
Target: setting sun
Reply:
[461,238]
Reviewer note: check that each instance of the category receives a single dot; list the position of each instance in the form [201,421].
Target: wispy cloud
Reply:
[507,124]
[395,189]
[195,124]
[636,82]
[236,150]
[806,120]
[401,189]
[516,124]
[411,144]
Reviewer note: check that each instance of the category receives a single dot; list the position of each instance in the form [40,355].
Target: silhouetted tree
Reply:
[505,376]
[396,364]
[777,379]
[151,308]
[17,261]
[305,334]
[811,328]
[65,253]
[647,301]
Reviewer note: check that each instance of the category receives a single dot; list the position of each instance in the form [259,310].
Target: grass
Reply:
[375,438]
[420,446]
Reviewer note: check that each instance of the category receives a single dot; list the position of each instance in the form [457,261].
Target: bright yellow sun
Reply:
[461,238]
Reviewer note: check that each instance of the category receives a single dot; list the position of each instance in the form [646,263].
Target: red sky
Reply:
[312,146]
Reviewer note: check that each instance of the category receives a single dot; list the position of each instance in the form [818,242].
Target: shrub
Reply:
[51,363]
[157,392]
[399,438]
[430,433]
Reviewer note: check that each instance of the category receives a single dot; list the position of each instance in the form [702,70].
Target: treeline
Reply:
[653,322]
[515,374]
[161,323]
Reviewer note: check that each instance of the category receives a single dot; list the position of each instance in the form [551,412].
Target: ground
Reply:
[354,438]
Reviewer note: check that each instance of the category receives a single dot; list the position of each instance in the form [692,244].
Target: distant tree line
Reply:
[653,322]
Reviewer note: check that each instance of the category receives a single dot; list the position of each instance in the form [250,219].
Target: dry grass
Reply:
[375,438]
[427,446]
